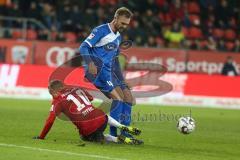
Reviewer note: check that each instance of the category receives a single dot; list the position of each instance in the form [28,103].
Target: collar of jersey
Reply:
[111,29]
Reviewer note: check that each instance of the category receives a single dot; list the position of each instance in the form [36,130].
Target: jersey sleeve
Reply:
[55,111]
[89,42]
[48,124]
[94,37]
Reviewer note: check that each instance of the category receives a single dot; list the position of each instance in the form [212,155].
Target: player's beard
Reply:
[121,29]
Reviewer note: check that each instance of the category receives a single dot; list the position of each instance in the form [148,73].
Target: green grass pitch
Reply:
[217,135]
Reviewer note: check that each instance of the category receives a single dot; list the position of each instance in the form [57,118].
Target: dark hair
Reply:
[123,11]
[55,84]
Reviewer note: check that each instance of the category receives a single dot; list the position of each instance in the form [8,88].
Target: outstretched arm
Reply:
[48,125]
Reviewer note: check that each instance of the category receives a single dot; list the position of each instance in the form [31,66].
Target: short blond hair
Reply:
[123,11]
[55,84]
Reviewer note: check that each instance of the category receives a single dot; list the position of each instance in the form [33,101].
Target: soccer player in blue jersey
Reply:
[100,52]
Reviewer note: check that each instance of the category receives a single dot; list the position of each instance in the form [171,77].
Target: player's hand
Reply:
[92,68]
[128,85]
[37,137]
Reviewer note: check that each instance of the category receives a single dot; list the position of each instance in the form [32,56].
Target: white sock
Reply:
[110,138]
[113,122]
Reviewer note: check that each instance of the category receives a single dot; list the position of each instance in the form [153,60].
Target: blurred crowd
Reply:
[190,24]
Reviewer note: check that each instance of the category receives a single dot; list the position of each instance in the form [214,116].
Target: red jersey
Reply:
[74,103]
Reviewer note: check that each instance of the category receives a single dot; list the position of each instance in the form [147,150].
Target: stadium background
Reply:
[192,38]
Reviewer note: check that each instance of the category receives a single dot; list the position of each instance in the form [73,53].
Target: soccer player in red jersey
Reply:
[75,104]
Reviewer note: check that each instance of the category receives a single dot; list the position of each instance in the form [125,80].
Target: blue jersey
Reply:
[102,47]
[104,44]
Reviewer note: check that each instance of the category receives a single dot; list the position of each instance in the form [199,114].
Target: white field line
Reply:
[59,151]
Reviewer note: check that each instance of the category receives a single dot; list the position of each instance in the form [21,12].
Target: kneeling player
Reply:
[91,122]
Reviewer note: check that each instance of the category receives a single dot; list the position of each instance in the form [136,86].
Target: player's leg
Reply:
[116,107]
[114,123]
[121,105]
[128,97]
[106,82]
[129,101]
[97,136]
[128,129]
[117,94]
[122,139]
[110,138]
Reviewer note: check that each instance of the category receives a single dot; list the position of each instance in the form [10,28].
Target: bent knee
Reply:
[117,95]
[130,99]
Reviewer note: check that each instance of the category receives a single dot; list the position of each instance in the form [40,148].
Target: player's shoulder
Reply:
[61,98]
[104,29]
[57,100]
[102,26]
[70,90]
[54,104]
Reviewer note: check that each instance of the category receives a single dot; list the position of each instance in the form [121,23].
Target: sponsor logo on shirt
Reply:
[91,36]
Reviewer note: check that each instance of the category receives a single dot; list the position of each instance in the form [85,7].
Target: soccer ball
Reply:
[186,125]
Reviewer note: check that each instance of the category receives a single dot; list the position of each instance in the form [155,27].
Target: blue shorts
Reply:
[105,80]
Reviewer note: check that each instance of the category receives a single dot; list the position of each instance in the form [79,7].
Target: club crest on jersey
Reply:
[91,36]
[110,46]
